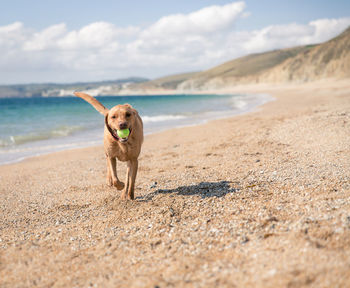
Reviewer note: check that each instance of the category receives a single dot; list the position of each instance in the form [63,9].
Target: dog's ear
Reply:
[107,125]
[106,120]
[95,103]
[131,108]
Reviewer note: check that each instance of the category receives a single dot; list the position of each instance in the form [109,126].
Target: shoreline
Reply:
[260,98]
[264,203]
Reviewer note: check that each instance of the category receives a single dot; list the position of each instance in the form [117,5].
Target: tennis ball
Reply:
[123,133]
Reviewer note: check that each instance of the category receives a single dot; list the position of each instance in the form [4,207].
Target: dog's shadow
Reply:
[203,190]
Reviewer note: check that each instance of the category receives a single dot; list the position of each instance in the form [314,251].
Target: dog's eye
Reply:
[113,117]
[127,114]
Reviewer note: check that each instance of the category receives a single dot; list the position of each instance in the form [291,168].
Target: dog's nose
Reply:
[123,125]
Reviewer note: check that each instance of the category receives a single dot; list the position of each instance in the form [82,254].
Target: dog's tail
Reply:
[95,103]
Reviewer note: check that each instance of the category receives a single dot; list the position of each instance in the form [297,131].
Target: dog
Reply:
[124,149]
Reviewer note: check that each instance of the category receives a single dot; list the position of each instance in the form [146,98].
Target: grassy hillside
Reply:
[251,64]
[300,64]
[241,67]
[247,66]
[327,60]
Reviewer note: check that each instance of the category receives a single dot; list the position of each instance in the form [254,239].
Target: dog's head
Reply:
[121,117]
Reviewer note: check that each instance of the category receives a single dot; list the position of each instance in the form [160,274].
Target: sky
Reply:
[68,41]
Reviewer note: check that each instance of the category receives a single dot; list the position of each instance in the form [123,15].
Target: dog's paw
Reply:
[126,196]
[120,185]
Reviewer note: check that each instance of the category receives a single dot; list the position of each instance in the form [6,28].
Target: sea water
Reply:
[35,126]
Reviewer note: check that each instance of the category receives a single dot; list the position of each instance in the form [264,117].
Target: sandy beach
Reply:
[257,200]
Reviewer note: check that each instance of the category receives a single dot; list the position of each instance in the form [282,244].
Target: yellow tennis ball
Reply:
[123,133]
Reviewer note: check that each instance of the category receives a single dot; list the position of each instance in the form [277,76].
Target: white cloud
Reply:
[283,36]
[45,39]
[207,20]
[92,36]
[174,43]
[11,36]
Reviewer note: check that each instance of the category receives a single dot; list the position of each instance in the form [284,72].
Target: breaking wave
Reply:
[161,118]
[61,131]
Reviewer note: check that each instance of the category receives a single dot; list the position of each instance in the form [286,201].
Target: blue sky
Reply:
[65,41]
[77,13]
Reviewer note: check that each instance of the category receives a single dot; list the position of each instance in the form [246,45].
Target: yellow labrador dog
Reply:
[124,149]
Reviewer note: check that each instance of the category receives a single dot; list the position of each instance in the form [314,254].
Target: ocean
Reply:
[35,126]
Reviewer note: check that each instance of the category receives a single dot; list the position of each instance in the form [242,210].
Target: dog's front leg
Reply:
[131,173]
[112,173]
[109,174]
